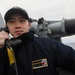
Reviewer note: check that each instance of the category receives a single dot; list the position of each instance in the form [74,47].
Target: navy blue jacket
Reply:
[38,56]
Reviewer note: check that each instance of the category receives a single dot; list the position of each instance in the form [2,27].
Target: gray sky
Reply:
[49,9]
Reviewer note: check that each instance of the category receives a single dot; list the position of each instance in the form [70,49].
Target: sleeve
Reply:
[2,61]
[64,55]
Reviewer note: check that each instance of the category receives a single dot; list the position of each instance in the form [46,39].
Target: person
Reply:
[34,55]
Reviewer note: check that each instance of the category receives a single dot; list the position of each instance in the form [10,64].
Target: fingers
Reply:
[3,35]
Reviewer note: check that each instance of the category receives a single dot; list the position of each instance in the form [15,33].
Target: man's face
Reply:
[18,25]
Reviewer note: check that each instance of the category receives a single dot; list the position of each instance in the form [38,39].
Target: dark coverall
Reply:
[38,56]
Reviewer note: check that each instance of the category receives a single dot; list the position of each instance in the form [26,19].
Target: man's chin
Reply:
[17,35]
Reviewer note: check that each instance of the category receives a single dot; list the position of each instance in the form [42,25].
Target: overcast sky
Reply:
[48,9]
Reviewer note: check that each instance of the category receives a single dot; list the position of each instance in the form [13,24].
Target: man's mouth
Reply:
[18,32]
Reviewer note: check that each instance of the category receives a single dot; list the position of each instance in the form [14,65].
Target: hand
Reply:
[3,35]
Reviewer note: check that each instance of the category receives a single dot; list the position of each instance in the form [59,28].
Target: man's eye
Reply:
[23,20]
[11,21]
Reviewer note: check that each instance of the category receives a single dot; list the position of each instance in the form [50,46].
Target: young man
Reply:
[35,55]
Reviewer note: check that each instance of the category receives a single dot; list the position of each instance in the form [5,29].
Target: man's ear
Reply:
[29,24]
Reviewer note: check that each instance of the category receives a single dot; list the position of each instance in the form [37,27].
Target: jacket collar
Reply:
[26,37]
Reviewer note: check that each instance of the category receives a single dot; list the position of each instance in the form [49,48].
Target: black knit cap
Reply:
[15,10]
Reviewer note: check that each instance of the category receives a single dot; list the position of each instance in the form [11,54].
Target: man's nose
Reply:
[18,24]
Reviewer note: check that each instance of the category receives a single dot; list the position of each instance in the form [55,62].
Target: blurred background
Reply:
[48,9]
